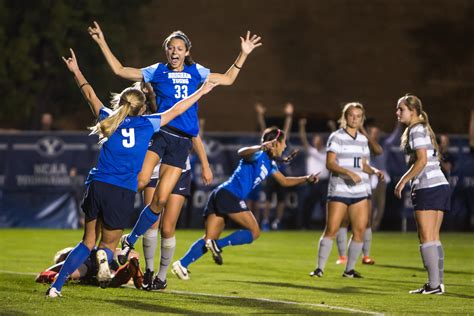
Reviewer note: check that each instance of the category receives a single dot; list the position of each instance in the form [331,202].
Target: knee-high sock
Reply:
[194,253]
[429,253]
[439,246]
[325,246]
[240,237]
[145,221]
[75,258]
[367,242]
[353,252]
[150,240]
[168,246]
[341,241]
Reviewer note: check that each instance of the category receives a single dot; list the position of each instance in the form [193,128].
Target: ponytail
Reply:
[128,103]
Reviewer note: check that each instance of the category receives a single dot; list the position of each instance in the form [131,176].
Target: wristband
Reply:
[84,84]
[237,66]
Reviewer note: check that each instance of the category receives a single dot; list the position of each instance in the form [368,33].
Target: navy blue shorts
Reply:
[111,203]
[437,198]
[347,201]
[182,187]
[222,202]
[173,149]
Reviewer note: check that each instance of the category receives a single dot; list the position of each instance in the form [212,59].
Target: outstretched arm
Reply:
[129,73]
[183,105]
[86,89]
[247,46]
[292,181]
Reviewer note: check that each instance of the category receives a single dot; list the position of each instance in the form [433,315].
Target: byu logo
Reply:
[50,146]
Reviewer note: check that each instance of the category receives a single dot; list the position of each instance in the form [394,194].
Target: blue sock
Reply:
[195,252]
[75,258]
[146,220]
[240,237]
[110,254]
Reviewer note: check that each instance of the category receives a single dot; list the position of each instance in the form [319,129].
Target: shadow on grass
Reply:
[346,289]
[227,304]
[391,266]
[12,313]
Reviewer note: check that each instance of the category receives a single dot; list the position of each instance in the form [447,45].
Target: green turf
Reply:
[275,267]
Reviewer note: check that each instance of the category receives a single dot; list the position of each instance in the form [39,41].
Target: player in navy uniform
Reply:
[111,186]
[228,200]
[172,81]
[430,192]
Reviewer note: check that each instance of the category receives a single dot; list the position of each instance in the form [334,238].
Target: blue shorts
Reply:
[347,201]
[111,203]
[182,187]
[222,202]
[437,198]
[172,148]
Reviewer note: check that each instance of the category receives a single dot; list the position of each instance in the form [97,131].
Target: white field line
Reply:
[345,309]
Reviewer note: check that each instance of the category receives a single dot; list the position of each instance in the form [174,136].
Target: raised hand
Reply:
[289,108]
[71,62]
[96,33]
[259,108]
[249,43]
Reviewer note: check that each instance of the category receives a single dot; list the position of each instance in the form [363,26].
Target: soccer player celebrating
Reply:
[228,200]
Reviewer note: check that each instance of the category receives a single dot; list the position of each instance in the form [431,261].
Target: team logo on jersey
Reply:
[50,146]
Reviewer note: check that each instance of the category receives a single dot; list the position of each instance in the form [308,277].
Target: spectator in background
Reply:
[271,186]
[315,163]
[446,159]
[47,122]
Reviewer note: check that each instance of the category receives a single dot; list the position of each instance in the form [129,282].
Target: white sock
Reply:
[367,242]
[341,241]
[168,246]
[325,246]
[150,240]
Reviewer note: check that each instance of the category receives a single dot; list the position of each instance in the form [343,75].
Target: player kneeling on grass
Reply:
[228,200]
[96,264]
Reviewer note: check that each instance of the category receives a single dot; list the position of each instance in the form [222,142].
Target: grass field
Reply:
[267,277]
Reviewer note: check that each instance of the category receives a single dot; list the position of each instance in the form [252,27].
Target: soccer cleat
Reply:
[426,289]
[147,280]
[158,284]
[136,273]
[180,271]
[442,287]
[352,274]
[276,224]
[53,293]
[216,252]
[316,273]
[368,260]
[122,257]
[341,260]
[46,277]
[103,274]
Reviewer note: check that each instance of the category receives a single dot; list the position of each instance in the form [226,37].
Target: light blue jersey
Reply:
[172,86]
[122,155]
[249,174]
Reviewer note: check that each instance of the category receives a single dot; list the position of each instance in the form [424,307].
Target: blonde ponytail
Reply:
[128,103]
[413,103]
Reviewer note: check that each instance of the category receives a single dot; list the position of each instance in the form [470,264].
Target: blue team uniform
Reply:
[173,143]
[113,182]
[172,86]
[229,196]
